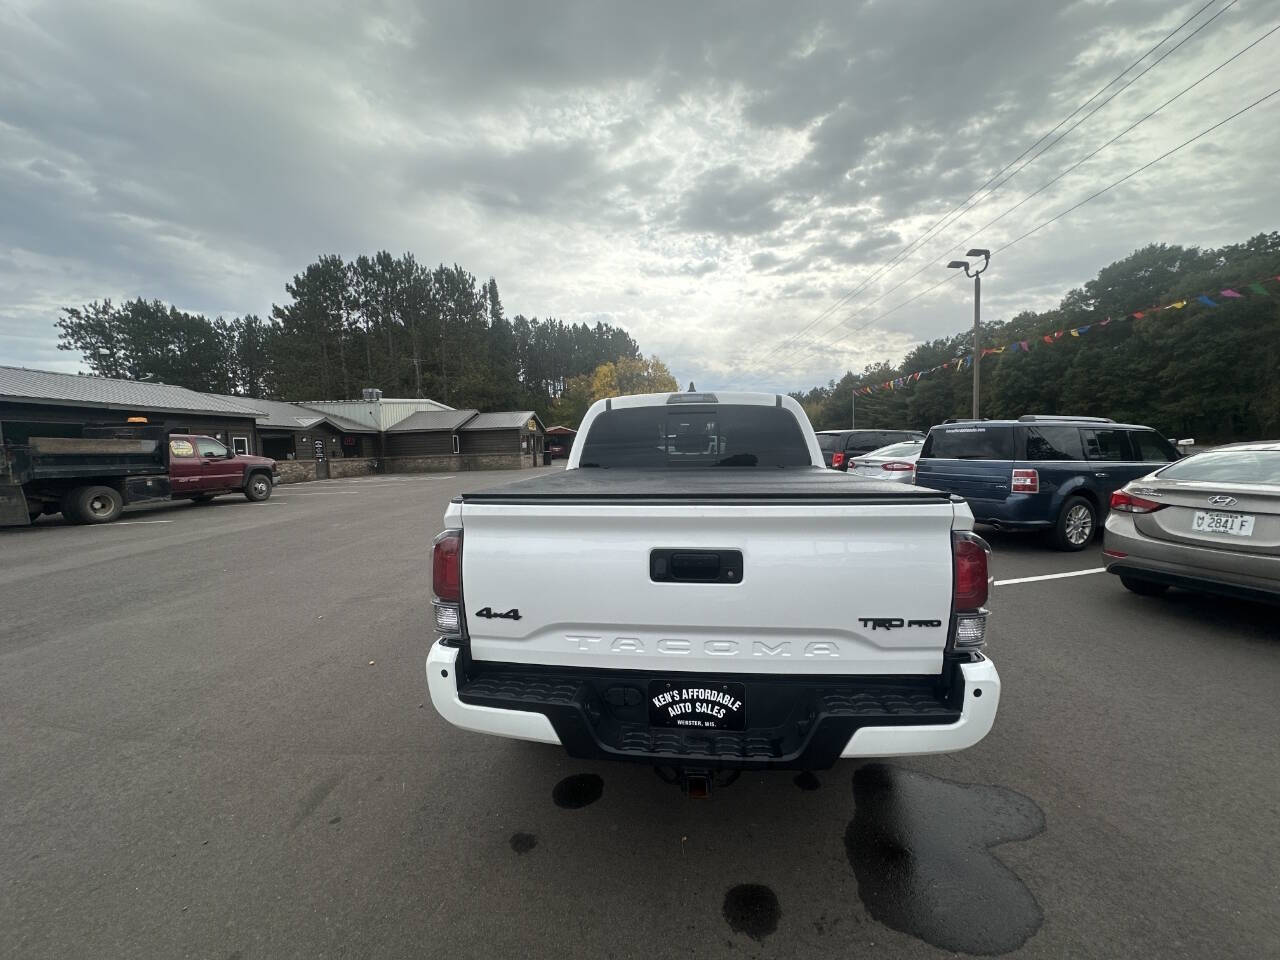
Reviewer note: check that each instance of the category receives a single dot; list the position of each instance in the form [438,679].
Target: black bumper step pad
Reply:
[795,722]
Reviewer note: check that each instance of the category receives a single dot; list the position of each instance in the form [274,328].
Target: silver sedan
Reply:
[1208,523]
[896,462]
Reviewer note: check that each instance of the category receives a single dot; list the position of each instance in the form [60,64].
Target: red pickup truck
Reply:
[92,477]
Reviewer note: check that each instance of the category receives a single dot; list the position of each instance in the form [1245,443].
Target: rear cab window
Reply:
[684,436]
[828,442]
[969,442]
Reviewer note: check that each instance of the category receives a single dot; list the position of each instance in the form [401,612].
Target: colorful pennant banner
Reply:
[1256,288]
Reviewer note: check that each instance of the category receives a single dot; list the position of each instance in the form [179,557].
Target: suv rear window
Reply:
[827,442]
[969,442]
[674,436]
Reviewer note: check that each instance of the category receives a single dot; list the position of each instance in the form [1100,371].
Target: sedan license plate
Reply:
[697,703]
[1236,524]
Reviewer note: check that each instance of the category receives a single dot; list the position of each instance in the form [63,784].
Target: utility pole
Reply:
[976,273]
[977,325]
[853,408]
[417,375]
[444,375]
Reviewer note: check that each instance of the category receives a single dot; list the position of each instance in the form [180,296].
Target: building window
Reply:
[240,445]
[457,447]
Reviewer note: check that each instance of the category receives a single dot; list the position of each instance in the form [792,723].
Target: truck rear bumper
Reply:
[442,681]
[817,719]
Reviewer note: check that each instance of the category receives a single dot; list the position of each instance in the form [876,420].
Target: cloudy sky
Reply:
[711,176]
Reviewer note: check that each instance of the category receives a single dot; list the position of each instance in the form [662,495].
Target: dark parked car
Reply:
[841,446]
[1047,473]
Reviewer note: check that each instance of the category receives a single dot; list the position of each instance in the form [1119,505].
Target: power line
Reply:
[1122,133]
[1134,173]
[908,248]
[1044,186]
[1076,206]
[959,210]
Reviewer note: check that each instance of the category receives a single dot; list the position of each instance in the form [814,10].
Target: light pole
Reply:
[977,308]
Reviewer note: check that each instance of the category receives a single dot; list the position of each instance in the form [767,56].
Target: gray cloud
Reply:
[727,200]
[599,158]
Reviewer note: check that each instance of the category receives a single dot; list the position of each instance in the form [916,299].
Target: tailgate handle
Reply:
[695,566]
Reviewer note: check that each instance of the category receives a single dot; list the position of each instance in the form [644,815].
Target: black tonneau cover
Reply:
[703,484]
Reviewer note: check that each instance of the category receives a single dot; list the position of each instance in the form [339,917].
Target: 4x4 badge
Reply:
[488,614]
[1222,500]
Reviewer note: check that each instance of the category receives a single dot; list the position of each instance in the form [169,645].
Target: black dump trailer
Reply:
[88,479]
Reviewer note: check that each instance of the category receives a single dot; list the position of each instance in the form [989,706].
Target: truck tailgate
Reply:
[817,581]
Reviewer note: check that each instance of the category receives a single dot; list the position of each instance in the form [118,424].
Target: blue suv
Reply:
[1040,473]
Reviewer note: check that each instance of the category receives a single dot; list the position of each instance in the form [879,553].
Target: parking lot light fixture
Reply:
[976,272]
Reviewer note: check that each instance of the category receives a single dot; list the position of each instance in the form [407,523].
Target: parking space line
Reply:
[1051,576]
[323,493]
[125,523]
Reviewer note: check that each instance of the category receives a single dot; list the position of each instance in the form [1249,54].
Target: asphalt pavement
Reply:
[216,741]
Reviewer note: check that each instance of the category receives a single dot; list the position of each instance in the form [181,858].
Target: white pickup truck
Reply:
[698,592]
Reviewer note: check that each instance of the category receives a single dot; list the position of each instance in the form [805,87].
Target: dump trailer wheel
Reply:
[96,504]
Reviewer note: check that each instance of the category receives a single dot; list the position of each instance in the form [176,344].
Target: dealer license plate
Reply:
[1236,524]
[697,703]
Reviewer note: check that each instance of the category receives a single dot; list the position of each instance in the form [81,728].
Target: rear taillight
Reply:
[897,466]
[969,553]
[1025,481]
[446,582]
[971,572]
[837,460]
[446,567]
[1128,503]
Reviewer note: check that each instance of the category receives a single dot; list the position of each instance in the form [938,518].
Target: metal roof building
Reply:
[507,420]
[282,415]
[289,431]
[45,403]
[433,420]
[20,385]
[422,434]
[380,414]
